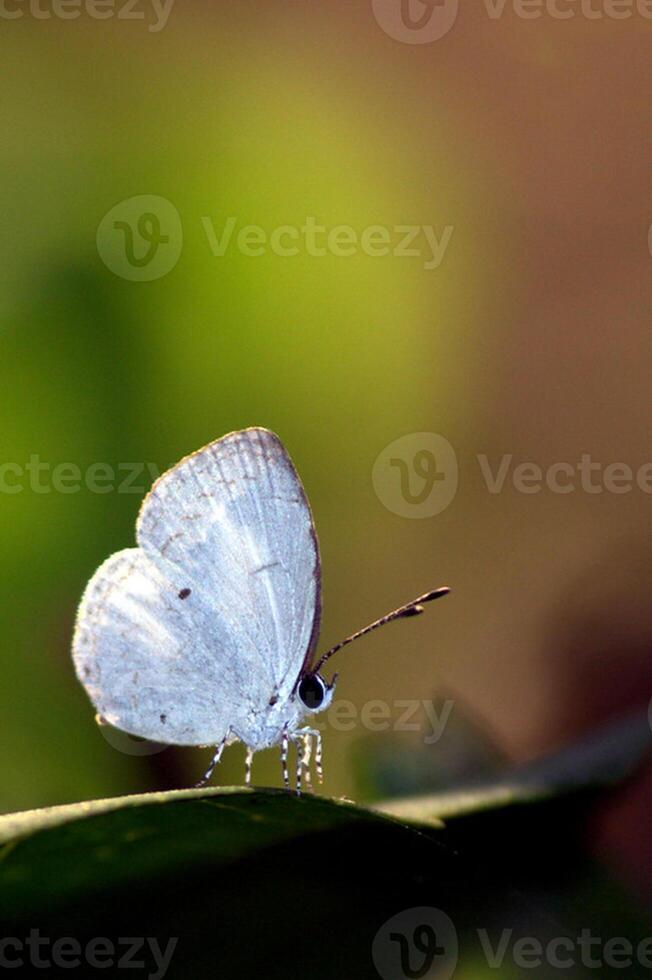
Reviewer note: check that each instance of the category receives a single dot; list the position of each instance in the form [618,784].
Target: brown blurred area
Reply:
[549,631]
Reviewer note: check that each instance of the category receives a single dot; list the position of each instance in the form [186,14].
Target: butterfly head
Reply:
[315,693]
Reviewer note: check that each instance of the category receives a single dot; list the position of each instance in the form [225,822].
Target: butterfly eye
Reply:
[312,691]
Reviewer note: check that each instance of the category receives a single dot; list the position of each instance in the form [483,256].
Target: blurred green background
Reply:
[530,138]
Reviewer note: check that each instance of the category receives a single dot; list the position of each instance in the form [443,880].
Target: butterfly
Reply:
[206,632]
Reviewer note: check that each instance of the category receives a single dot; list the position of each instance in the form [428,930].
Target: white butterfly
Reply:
[205,633]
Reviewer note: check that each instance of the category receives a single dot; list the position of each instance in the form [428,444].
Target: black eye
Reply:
[312,690]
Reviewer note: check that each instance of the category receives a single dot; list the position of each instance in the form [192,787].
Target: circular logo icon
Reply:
[420,942]
[416,21]
[125,743]
[141,238]
[416,476]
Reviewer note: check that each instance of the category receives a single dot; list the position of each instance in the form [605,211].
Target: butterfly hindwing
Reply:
[145,665]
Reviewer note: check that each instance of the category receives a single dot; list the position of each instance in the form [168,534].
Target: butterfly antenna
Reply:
[414,608]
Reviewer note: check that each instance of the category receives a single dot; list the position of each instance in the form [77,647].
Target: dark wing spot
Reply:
[272,701]
[164,718]
[263,568]
[184,593]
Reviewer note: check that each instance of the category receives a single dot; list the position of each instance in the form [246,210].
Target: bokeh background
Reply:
[531,139]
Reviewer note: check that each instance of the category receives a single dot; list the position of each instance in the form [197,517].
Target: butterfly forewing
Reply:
[233,517]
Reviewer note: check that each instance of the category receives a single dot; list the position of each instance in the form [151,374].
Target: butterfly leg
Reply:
[318,757]
[316,734]
[284,757]
[248,761]
[214,761]
[305,758]
[298,743]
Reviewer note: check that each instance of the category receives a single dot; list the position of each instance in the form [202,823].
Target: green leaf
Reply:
[117,841]
[247,877]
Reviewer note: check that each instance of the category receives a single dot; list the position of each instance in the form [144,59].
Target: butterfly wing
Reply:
[228,529]
[234,519]
[143,659]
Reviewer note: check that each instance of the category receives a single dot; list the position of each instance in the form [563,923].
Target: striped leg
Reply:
[305,758]
[284,757]
[316,734]
[318,757]
[248,761]
[216,758]
[299,761]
